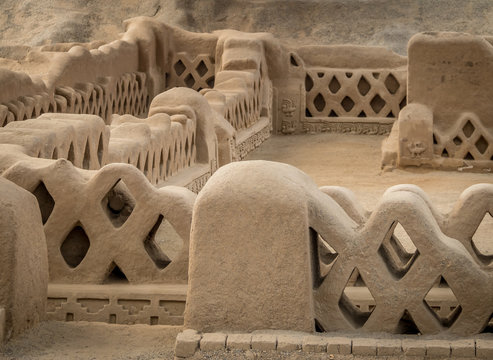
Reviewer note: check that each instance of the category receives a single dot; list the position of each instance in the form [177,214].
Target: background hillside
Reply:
[369,22]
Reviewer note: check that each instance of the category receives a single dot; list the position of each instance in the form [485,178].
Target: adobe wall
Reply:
[23,261]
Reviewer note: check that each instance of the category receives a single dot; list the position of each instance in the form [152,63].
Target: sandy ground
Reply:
[82,340]
[353,161]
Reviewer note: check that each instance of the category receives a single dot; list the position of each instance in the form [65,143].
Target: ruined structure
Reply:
[116,140]
[447,124]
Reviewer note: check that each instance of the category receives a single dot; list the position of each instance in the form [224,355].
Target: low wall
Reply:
[333,266]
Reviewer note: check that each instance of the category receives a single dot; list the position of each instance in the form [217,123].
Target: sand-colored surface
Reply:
[353,161]
[388,23]
[82,340]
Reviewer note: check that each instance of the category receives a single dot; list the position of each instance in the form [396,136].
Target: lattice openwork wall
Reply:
[243,107]
[389,273]
[196,73]
[114,227]
[125,95]
[159,156]
[358,93]
[468,140]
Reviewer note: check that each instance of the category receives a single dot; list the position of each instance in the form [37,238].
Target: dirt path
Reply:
[82,340]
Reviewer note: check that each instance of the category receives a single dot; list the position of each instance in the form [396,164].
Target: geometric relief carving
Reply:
[133,306]
[93,305]
[174,308]
[52,303]
[75,246]
[356,312]
[118,204]
[398,251]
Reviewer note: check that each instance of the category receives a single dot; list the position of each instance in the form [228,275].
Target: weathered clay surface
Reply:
[23,261]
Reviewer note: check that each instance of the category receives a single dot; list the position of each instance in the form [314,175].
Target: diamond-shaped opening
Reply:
[334,85]
[377,103]
[324,257]
[179,67]
[356,303]
[482,144]
[481,239]
[347,103]
[457,140]
[86,161]
[202,68]
[318,327]
[392,84]
[363,86]
[308,83]
[398,251]
[468,156]
[100,150]
[75,246]
[71,153]
[407,325]
[163,244]
[189,80]
[210,82]
[403,103]
[115,275]
[118,204]
[319,102]
[46,202]
[488,327]
[293,61]
[468,128]
[443,311]
[146,165]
